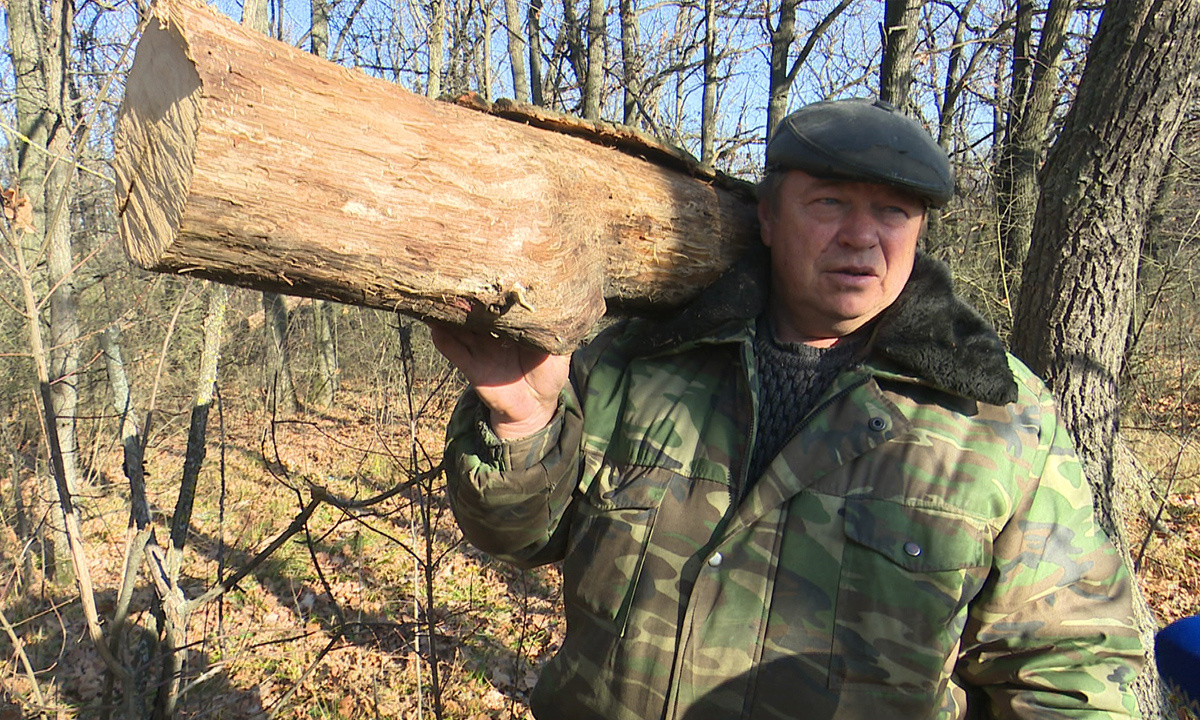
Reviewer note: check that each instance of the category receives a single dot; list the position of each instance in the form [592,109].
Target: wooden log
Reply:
[246,161]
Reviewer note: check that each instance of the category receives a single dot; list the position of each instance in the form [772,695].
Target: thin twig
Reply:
[19,648]
[229,583]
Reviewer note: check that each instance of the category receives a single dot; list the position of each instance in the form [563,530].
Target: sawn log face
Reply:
[246,161]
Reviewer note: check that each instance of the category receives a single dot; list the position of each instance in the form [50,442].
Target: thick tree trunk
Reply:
[783,34]
[437,47]
[513,22]
[630,61]
[39,45]
[899,43]
[58,192]
[375,196]
[593,86]
[535,52]
[1073,311]
[318,37]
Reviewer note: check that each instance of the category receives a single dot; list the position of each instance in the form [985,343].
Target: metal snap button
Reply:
[912,549]
[877,424]
[715,560]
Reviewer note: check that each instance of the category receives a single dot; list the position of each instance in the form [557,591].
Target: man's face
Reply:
[841,252]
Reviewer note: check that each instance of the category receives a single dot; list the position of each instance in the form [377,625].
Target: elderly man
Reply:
[822,491]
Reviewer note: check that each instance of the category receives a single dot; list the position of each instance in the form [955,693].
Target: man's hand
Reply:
[519,385]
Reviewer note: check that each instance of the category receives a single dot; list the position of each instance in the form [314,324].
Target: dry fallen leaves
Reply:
[18,210]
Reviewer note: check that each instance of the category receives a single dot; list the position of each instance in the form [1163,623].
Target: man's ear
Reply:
[766,222]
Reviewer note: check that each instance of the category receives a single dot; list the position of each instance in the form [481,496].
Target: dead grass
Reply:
[330,626]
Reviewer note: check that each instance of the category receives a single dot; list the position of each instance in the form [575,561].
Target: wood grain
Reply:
[246,161]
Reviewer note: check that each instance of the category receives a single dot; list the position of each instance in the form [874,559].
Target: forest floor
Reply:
[334,624]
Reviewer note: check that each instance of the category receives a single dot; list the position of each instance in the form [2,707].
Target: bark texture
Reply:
[514,25]
[246,161]
[1035,87]
[1098,188]
[900,18]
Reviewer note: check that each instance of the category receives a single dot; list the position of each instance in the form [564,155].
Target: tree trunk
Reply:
[1034,91]
[576,53]
[630,65]
[39,45]
[938,236]
[535,52]
[328,373]
[318,37]
[324,316]
[781,75]
[956,77]
[899,43]
[256,15]
[133,465]
[483,53]
[280,388]
[782,37]
[593,86]
[516,50]
[708,103]
[131,435]
[437,47]
[60,263]
[375,196]
[1073,310]
[214,323]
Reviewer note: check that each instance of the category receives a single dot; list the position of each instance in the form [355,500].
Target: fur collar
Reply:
[928,332]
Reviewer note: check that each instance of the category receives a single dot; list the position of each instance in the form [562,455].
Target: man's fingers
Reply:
[449,343]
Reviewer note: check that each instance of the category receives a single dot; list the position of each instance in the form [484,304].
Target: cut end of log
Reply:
[246,161]
[156,142]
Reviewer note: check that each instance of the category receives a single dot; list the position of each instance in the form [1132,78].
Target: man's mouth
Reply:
[854,271]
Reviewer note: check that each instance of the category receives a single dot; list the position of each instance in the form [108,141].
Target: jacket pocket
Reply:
[908,574]
[609,536]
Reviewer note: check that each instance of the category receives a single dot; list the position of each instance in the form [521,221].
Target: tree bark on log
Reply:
[247,161]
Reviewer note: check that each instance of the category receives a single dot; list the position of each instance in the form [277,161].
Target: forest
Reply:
[219,502]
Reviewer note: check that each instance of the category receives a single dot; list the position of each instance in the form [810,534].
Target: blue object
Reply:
[1177,652]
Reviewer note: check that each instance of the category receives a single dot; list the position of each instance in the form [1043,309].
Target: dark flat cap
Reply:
[865,141]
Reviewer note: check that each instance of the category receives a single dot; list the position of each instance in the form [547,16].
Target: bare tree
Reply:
[436,47]
[535,53]
[900,32]
[630,61]
[1076,299]
[708,112]
[514,23]
[325,388]
[783,69]
[1034,89]
[281,388]
[40,46]
[318,37]
[593,86]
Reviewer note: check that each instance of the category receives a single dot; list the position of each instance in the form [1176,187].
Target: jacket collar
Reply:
[929,332]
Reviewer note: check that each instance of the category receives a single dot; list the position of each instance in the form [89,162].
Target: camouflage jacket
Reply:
[923,547]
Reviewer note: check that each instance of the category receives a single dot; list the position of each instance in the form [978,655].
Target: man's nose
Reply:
[859,228]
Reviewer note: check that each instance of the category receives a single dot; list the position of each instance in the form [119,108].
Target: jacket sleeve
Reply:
[1052,634]
[510,497]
